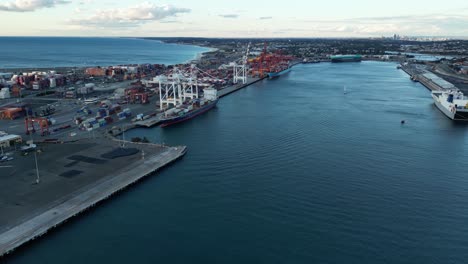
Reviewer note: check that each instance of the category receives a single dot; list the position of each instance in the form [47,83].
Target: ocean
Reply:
[292,170]
[43,52]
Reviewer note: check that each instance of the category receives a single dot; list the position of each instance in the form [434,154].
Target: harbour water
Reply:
[292,170]
[27,52]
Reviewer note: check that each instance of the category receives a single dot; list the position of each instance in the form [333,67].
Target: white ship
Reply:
[452,103]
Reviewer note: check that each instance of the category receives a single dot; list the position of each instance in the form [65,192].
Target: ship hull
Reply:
[346,58]
[457,115]
[189,115]
[273,75]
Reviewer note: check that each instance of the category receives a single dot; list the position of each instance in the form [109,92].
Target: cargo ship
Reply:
[190,109]
[346,58]
[452,103]
[277,72]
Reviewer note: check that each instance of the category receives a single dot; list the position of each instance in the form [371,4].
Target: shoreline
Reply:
[197,56]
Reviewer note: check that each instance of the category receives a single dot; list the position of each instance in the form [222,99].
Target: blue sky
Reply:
[241,18]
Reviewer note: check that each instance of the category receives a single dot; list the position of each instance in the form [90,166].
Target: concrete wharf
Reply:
[86,198]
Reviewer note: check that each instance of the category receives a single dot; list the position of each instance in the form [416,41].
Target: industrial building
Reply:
[438,82]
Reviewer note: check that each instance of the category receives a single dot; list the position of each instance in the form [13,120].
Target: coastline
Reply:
[198,56]
[182,58]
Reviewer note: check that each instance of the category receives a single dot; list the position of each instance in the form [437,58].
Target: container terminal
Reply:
[78,118]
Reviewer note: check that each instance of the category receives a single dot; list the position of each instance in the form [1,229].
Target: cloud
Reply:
[129,17]
[230,16]
[169,22]
[30,5]
[86,2]
[418,25]
[265,18]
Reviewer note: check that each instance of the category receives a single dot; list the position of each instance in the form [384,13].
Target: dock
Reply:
[429,80]
[150,122]
[85,198]
[236,87]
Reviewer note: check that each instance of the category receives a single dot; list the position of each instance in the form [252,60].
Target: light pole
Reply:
[38,178]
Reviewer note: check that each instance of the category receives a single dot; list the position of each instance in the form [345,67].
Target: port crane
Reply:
[43,124]
[268,61]
[169,90]
[261,64]
[241,68]
[180,85]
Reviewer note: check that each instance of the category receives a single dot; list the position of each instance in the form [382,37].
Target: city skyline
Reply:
[242,18]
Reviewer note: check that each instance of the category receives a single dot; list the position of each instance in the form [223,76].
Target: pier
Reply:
[150,122]
[419,75]
[236,87]
[81,199]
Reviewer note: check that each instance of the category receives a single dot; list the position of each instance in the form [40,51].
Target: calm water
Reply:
[293,171]
[25,52]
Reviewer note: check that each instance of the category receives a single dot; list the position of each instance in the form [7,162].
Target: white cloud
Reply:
[30,5]
[230,16]
[422,25]
[130,16]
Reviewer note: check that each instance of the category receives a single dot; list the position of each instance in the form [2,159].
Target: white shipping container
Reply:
[53,83]
[90,120]
[170,111]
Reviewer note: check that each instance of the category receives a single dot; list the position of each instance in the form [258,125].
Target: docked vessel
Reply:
[346,58]
[452,103]
[280,70]
[190,109]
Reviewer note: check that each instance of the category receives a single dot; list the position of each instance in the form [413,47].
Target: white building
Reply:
[9,140]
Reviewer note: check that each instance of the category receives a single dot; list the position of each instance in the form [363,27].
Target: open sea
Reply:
[41,52]
[292,170]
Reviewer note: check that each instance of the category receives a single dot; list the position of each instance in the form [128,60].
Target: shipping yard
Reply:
[77,118]
[63,129]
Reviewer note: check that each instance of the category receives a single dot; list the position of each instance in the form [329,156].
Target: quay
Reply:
[155,120]
[150,122]
[236,87]
[97,183]
[429,80]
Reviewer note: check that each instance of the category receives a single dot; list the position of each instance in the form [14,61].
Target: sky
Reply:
[235,18]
